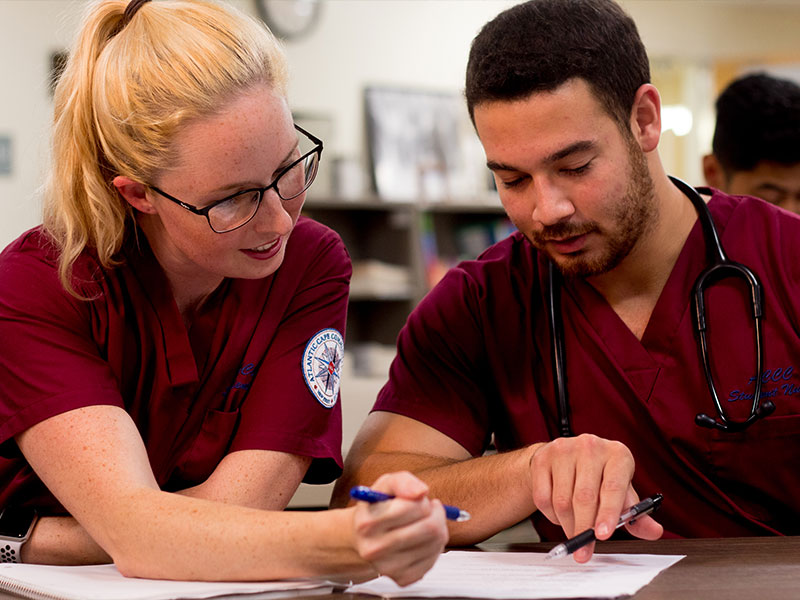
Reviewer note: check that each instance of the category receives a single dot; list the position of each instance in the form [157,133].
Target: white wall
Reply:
[702,29]
[29,32]
[415,43]
[418,44]
[424,43]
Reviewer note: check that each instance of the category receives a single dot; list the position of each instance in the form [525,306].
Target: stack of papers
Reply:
[517,575]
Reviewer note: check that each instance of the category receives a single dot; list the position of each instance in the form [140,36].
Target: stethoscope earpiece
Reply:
[766,409]
[703,420]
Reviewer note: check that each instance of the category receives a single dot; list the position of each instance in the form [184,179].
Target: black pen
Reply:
[644,507]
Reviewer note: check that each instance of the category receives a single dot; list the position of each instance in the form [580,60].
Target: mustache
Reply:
[561,231]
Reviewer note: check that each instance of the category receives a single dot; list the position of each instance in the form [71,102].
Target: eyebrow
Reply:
[574,148]
[772,187]
[232,186]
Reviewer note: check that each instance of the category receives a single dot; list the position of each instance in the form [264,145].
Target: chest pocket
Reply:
[758,469]
[207,450]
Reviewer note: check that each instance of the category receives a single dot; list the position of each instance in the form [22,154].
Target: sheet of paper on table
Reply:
[507,575]
[104,582]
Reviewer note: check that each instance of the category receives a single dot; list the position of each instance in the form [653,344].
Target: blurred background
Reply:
[338,48]
[403,178]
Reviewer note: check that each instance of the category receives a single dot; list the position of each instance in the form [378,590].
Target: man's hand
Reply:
[585,482]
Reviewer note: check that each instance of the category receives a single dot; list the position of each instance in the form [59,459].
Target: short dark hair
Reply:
[541,44]
[758,118]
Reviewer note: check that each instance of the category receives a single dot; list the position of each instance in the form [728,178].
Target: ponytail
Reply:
[81,207]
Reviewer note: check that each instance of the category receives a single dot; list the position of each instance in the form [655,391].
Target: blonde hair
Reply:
[123,96]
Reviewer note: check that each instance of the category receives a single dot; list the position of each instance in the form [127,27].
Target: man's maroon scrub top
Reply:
[474,361]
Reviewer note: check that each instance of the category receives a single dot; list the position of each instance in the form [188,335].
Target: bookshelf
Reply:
[399,251]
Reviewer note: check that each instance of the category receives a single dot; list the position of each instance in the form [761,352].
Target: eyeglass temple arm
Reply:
[311,136]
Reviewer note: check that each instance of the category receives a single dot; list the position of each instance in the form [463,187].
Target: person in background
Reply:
[172,332]
[607,252]
[756,146]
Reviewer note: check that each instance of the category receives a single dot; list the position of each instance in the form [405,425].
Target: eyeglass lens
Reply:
[239,209]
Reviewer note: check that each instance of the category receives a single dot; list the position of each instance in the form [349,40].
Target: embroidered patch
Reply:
[322,365]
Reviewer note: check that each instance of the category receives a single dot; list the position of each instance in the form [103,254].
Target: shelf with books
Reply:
[400,250]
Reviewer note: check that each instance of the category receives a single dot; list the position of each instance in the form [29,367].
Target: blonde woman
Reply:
[172,333]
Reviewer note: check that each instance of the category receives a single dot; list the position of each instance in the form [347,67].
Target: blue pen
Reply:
[365,494]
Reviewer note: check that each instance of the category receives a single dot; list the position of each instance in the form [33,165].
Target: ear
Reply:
[713,172]
[646,117]
[135,193]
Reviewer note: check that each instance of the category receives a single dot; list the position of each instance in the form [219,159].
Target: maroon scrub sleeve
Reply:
[280,412]
[437,376]
[49,363]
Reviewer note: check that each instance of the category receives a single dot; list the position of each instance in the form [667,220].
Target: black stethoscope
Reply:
[720,268]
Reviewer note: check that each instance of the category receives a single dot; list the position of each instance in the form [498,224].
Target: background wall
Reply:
[29,32]
[411,43]
[425,44]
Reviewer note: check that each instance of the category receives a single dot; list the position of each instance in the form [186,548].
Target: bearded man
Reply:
[571,345]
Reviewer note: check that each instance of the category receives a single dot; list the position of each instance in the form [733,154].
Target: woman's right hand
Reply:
[401,538]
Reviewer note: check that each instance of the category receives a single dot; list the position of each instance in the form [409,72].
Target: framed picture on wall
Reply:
[58,60]
[416,144]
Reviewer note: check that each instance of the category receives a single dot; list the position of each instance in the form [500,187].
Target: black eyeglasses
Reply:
[237,210]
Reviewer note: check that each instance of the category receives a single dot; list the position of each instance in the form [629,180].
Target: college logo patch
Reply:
[322,365]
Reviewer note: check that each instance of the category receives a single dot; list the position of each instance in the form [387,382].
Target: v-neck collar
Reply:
[181,365]
[642,359]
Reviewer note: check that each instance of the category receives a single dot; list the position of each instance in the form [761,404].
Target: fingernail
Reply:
[602,530]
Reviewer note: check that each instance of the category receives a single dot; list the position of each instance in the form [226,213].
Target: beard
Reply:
[632,217]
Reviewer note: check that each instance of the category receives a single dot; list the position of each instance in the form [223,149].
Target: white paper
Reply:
[518,575]
[104,582]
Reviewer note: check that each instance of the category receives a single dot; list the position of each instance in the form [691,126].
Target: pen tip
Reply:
[463,516]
